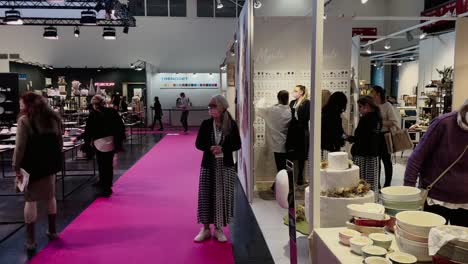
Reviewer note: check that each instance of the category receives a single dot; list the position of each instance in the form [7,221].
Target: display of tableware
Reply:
[376,260]
[454,253]
[2,98]
[5,131]
[400,205]
[395,211]
[401,193]
[418,222]
[346,235]
[370,222]
[443,260]
[381,240]
[365,230]
[368,211]
[357,243]
[417,249]
[410,236]
[401,258]
[373,251]
[68,144]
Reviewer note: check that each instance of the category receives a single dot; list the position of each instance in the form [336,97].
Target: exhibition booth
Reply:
[278,53]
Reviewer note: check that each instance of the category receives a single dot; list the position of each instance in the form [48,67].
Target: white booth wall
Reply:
[461,65]
[408,80]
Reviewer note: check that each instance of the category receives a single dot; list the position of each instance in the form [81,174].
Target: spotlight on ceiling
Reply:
[375,64]
[399,64]
[364,1]
[325,16]
[132,65]
[50,33]
[411,58]
[423,35]
[219,5]
[233,53]
[88,18]
[126,29]
[369,50]
[109,33]
[76,32]
[409,36]
[387,45]
[139,69]
[13,17]
[223,67]
[257,4]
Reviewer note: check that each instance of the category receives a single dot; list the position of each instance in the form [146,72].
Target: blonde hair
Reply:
[223,105]
[304,90]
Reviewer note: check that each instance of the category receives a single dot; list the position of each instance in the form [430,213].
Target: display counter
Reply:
[325,247]
[195,118]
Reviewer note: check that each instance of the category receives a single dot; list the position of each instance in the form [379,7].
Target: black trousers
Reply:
[457,217]
[386,159]
[106,170]
[184,119]
[280,160]
[157,118]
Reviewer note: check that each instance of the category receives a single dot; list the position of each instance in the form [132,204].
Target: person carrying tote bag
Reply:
[440,163]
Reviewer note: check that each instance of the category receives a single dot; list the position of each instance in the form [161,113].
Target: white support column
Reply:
[315,113]
[460,92]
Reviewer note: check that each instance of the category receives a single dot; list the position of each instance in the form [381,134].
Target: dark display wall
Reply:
[34,75]
[9,101]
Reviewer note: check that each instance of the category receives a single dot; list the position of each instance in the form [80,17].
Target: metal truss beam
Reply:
[34,21]
[81,4]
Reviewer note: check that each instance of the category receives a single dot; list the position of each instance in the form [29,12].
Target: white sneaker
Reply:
[219,235]
[203,235]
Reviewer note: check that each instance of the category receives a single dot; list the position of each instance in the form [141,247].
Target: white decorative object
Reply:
[76,88]
[92,91]
[84,92]
[307,203]
[334,179]
[282,189]
[338,161]
[334,212]
[371,211]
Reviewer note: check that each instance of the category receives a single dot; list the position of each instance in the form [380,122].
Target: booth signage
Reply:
[189,81]
[365,31]
[450,8]
[462,6]
[104,84]
[22,76]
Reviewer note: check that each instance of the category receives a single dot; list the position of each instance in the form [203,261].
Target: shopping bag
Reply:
[401,140]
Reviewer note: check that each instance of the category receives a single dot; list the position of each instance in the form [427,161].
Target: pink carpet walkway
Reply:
[151,218]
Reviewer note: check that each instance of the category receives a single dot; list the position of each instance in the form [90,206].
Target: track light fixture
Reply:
[400,64]
[50,33]
[88,18]
[76,32]
[109,33]
[411,58]
[369,50]
[409,36]
[387,45]
[223,67]
[257,4]
[13,17]
[126,29]
[364,1]
[219,4]
[138,65]
[423,35]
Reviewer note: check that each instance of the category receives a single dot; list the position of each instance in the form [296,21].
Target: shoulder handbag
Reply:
[398,140]
[425,191]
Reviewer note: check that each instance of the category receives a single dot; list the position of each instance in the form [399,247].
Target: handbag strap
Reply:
[446,170]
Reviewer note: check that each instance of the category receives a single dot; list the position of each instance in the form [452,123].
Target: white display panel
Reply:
[189,81]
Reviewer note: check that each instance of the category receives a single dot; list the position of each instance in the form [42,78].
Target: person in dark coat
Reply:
[157,114]
[333,135]
[218,138]
[105,131]
[297,142]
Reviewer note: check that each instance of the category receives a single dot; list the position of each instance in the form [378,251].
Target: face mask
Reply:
[213,112]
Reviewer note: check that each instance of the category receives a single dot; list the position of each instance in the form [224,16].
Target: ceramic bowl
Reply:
[368,211]
[419,223]
[405,234]
[376,260]
[346,235]
[357,243]
[373,251]
[365,230]
[419,250]
[401,258]
[398,205]
[370,222]
[381,240]
[401,193]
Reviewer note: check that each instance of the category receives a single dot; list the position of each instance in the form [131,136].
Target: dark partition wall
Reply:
[30,76]
[9,105]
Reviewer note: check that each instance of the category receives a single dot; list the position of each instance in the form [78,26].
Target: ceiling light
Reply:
[369,49]
[399,64]
[44,67]
[257,4]
[132,65]
[233,53]
[223,67]
[375,64]
[77,32]
[109,33]
[13,17]
[325,16]
[411,58]
[139,69]
[88,18]
[50,33]
[219,5]
[364,1]
[423,35]
[409,36]
[387,45]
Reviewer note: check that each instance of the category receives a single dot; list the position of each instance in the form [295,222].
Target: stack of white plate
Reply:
[412,232]
[398,199]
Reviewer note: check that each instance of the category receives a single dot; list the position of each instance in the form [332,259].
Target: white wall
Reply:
[171,44]
[461,64]
[4,66]
[408,80]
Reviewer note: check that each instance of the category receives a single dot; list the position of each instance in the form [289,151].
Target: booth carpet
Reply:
[151,218]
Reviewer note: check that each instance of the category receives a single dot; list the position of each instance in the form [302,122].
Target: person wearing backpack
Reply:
[38,151]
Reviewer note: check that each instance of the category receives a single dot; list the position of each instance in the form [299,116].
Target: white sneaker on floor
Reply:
[203,235]
[219,235]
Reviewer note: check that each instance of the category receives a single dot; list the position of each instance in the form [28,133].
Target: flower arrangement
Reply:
[358,191]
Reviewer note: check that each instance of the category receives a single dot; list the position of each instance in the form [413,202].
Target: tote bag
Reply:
[398,140]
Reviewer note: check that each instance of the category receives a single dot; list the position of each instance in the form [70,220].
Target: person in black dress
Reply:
[123,105]
[332,125]
[297,142]
[157,114]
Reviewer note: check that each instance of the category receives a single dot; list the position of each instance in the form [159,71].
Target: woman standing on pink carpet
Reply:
[218,138]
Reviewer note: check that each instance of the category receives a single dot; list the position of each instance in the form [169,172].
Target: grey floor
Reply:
[270,219]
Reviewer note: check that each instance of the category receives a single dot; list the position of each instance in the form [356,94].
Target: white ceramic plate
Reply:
[368,211]
[401,194]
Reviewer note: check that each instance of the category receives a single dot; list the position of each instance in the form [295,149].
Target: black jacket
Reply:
[297,141]
[231,143]
[157,110]
[332,131]
[366,136]
[104,123]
